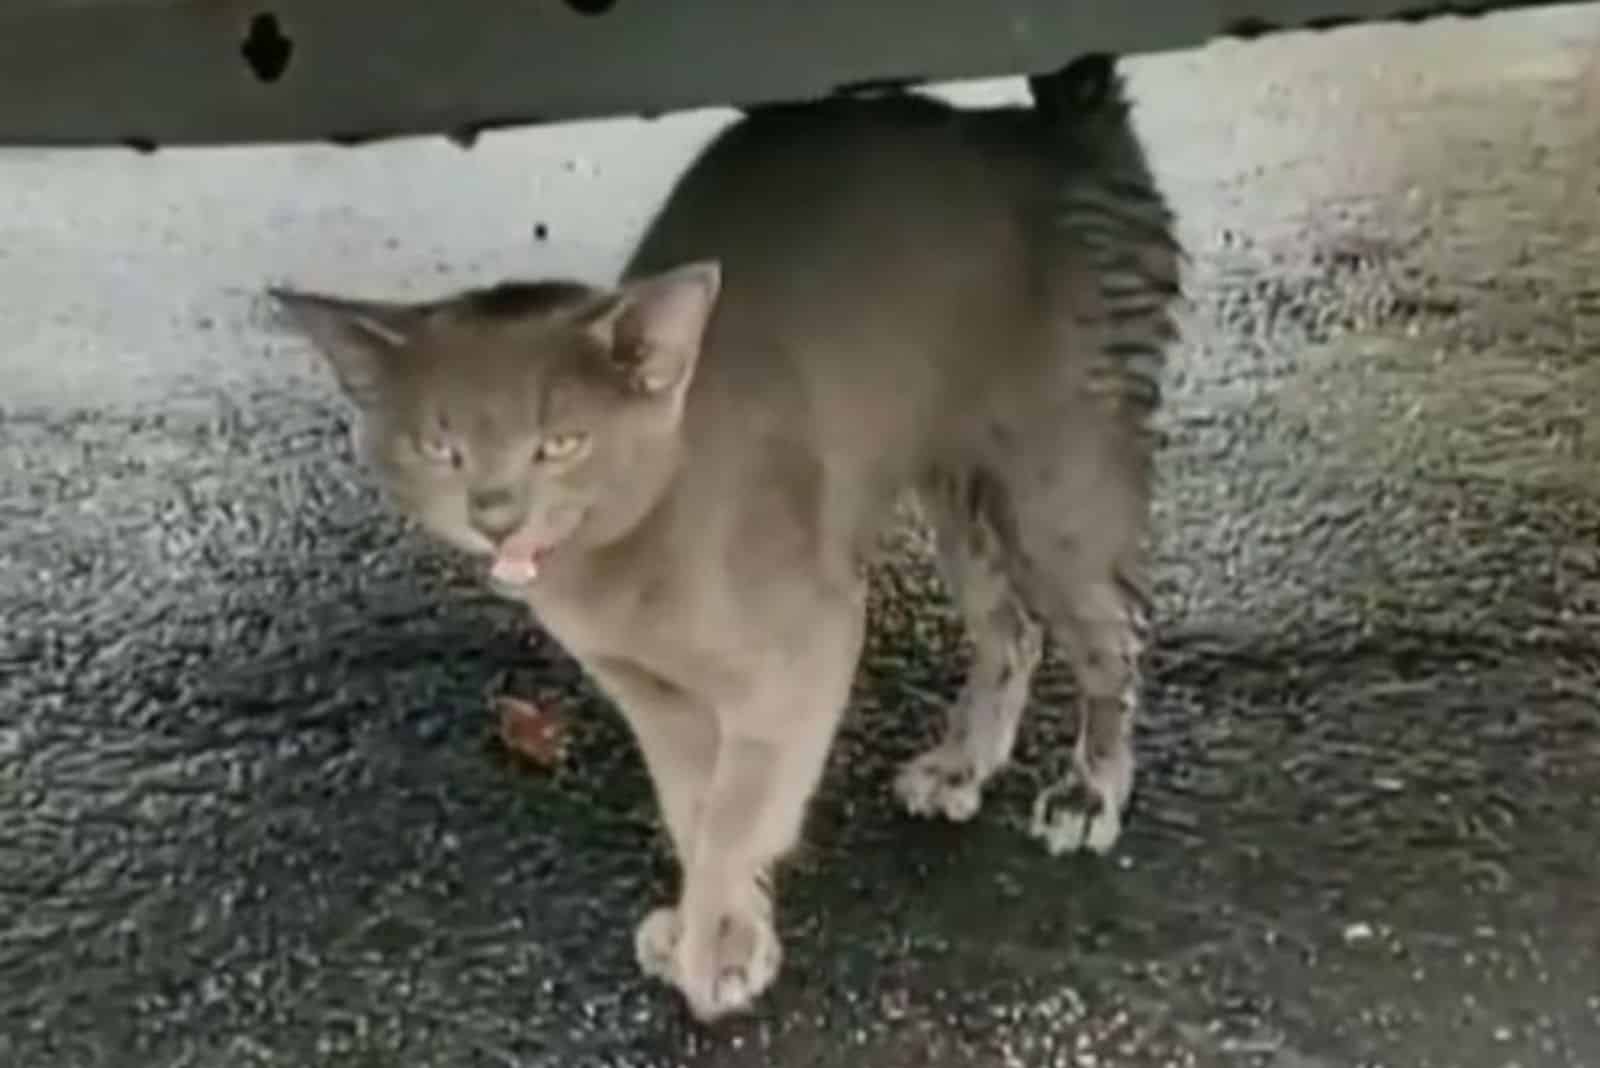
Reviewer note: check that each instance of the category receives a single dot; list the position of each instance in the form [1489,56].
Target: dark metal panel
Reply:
[206,71]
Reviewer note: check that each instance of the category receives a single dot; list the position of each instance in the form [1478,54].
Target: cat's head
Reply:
[516,421]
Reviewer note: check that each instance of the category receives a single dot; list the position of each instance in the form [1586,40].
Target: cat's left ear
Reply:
[656,325]
[357,337]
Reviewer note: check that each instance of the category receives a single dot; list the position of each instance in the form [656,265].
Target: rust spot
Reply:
[266,49]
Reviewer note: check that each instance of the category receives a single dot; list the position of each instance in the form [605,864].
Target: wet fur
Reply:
[896,296]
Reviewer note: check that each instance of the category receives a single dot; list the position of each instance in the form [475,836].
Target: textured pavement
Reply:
[251,807]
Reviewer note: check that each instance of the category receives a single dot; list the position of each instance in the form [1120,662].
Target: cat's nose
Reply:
[495,513]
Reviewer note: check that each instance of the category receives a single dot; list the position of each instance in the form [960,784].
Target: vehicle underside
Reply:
[150,73]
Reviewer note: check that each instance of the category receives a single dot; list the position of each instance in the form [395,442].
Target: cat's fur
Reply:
[684,476]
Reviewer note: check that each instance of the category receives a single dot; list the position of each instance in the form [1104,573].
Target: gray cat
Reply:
[685,476]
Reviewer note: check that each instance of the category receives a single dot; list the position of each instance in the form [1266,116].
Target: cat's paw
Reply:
[1083,813]
[723,964]
[941,782]
[655,943]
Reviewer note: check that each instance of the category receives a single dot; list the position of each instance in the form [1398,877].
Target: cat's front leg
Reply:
[677,735]
[771,752]
[676,732]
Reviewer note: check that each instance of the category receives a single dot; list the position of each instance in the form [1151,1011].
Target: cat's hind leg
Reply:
[981,724]
[1102,628]
[1081,515]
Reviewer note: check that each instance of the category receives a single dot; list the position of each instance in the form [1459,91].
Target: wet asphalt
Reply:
[252,811]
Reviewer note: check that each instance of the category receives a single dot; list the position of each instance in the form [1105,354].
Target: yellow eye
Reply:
[560,448]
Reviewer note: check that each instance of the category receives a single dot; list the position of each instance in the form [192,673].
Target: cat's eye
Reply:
[561,448]
[439,450]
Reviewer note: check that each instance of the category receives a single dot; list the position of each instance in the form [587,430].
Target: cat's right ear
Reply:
[357,337]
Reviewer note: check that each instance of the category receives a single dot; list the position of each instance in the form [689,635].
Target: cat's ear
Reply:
[357,337]
[654,326]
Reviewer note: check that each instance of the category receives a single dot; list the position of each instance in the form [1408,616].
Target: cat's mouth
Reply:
[519,565]
[517,569]
[519,559]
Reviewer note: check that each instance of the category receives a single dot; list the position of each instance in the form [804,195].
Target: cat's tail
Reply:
[1088,125]
[1113,216]
[1088,88]
[1085,107]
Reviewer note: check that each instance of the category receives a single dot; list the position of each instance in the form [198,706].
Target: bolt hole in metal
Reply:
[266,49]
[591,7]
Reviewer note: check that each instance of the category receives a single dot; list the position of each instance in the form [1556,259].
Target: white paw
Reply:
[724,965]
[941,782]
[1069,817]
[655,943]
